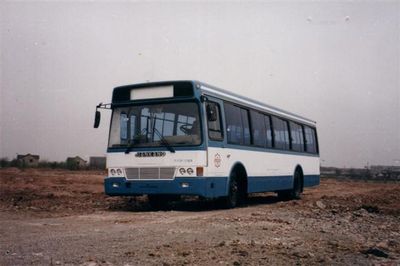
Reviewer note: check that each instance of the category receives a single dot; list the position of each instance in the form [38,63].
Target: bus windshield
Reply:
[176,124]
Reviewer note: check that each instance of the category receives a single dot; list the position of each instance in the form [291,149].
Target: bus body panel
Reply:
[266,171]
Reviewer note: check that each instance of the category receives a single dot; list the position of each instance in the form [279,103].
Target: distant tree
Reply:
[62,165]
[368,174]
[15,163]
[338,172]
[71,165]
[44,164]
[52,165]
[4,162]
[351,172]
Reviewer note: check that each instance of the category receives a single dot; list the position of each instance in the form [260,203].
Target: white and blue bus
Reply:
[175,138]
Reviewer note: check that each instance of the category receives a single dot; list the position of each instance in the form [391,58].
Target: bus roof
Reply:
[214,91]
[121,93]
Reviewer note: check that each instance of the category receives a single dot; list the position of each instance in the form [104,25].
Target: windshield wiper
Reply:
[129,148]
[164,141]
[132,144]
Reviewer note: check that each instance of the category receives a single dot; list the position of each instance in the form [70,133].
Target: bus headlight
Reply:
[182,171]
[116,172]
[189,171]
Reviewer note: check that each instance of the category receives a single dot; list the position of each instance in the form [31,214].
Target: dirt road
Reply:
[63,218]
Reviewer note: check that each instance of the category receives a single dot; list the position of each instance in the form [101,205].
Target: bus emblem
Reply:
[217,160]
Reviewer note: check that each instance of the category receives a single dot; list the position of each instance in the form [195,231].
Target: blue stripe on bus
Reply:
[311,180]
[269,183]
[275,183]
[208,187]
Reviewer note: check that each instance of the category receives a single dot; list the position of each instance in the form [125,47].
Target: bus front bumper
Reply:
[208,187]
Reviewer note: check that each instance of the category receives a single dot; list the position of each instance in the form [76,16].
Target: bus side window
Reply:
[234,126]
[286,134]
[215,127]
[310,138]
[267,119]
[258,129]
[281,133]
[246,126]
[297,137]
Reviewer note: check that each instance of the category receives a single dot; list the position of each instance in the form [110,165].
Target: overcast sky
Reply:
[336,63]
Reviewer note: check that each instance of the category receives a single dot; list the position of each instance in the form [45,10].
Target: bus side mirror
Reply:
[97,118]
[212,112]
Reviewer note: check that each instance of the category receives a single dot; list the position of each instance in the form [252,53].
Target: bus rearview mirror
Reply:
[211,112]
[97,118]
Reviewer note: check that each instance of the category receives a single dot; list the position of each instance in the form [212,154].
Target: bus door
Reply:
[215,132]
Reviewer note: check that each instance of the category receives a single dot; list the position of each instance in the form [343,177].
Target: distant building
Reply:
[76,162]
[97,162]
[28,160]
[386,172]
[382,168]
[328,171]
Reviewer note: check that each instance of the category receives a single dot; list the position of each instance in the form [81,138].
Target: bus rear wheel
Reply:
[295,192]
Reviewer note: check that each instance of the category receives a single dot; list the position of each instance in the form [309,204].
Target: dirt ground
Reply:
[60,217]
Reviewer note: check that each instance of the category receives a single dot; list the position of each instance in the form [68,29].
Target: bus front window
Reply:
[150,125]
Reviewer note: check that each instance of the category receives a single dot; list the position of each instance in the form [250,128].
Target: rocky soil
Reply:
[59,217]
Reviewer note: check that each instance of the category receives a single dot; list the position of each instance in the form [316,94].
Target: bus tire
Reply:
[295,192]
[231,201]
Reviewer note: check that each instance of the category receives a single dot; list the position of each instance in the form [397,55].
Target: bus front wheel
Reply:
[231,201]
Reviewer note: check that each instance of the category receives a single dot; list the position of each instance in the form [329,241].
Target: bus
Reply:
[174,138]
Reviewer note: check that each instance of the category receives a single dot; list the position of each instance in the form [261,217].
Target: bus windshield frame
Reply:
[155,125]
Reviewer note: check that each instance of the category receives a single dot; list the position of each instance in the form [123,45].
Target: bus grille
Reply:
[150,173]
